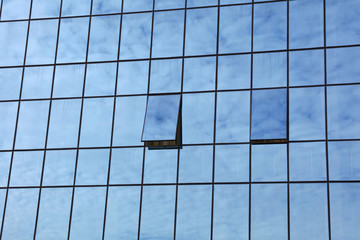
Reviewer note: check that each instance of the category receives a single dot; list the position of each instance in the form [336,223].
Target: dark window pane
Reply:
[165,75]
[139,5]
[133,77]
[106,6]
[126,165]
[160,166]
[92,167]
[8,111]
[76,8]
[10,79]
[4,168]
[45,8]
[69,81]
[59,168]
[15,9]
[234,72]
[169,4]
[26,168]
[199,74]
[269,113]
[100,79]
[37,82]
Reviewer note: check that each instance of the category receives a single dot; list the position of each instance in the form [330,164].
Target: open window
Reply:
[162,123]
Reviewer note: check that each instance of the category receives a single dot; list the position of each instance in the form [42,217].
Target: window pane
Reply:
[169,4]
[235,29]
[92,167]
[2,201]
[157,212]
[12,52]
[231,212]
[26,168]
[54,213]
[104,38]
[270,70]
[233,116]
[122,215]
[306,67]
[73,40]
[306,23]
[232,163]
[129,120]
[126,165]
[88,213]
[199,3]
[162,115]
[69,81]
[344,160]
[269,162]
[10,79]
[8,112]
[196,164]
[59,168]
[160,166]
[133,77]
[269,212]
[96,122]
[168,34]
[201,28]
[76,8]
[37,82]
[32,124]
[139,5]
[100,79]
[308,212]
[15,9]
[307,113]
[269,113]
[344,210]
[5,158]
[199,74]
[343,112]
[42,42]
[45,8]
[234,72]
[64,123]
[270,26]
[234,1]
[135,35]
[307,161]
[106,6]
[198,118]
[193,212]
[22,201]
[165,75]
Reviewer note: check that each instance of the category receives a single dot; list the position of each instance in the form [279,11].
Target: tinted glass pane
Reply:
[201,31]
[233,116]
[135,35]
[54,213]
[92,167]
[269,162]
[269,212]
[235,29]
[88,213]
[269,112]
[270,26]
[15,9]
[73,40]
[234,72]
[139,5]
[22,201]
[26,168]
[343,112]
[32,124]
[106,6]
[308,212]
[100,79]
[270,70]
[126,165]
[12,43]
[162,114]
[169,4]
[157,212]
[199,3]
[42,42]
[160,166]
[59,168]
[196,164]
[4,169]
[193,212]
[168,34]
[80,7]
[122,215]
[344,210]
[307,113]
[8,111]
[199,74]
[306,23]
[165,75]
[96,122]
[10,79]
[37,82]
[104,38]
[344,160]
[198,118]
[307,161]
[231,212]
[45,8]
[69,81]
[133,77]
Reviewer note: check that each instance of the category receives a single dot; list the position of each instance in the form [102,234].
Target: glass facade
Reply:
[270,99]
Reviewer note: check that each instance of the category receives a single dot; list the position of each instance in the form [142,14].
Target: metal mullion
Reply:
[1,5]
[16,123]
[287,114]
[80,121]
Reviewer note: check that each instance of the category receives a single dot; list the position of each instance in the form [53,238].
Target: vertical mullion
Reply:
[17,120]
[1,4]
[48,121]
[287,114]
[80,122]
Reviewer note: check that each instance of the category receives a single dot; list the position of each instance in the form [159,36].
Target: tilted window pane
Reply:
[126,165]
[269,114]
[37,82]
[10,79]
[45,8]
[169,4]
[15,9]
[92,167]
[165,75]
[12,43]
[199,74]
[76,8]
[69,80]
[160,166]
[8,112]
[106,6]
[26,168]
[234,72]
[5,158]
[133,77]
[59,168]
[235,29]
[199,3]
[162,116]
[139,5]
[100,79]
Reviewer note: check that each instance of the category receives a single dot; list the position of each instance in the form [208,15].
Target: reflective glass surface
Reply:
[139,5]
[133,77]
[37,82]
[199,74]
[69,80]
[234,72]
[100,79]
[165,75]
[169,4]
[10,79]
[26,168]
[160,166]
[15,9]
[92,167]
[71,8]
[106,6]
[7,127]
[5,158]
[45,8]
